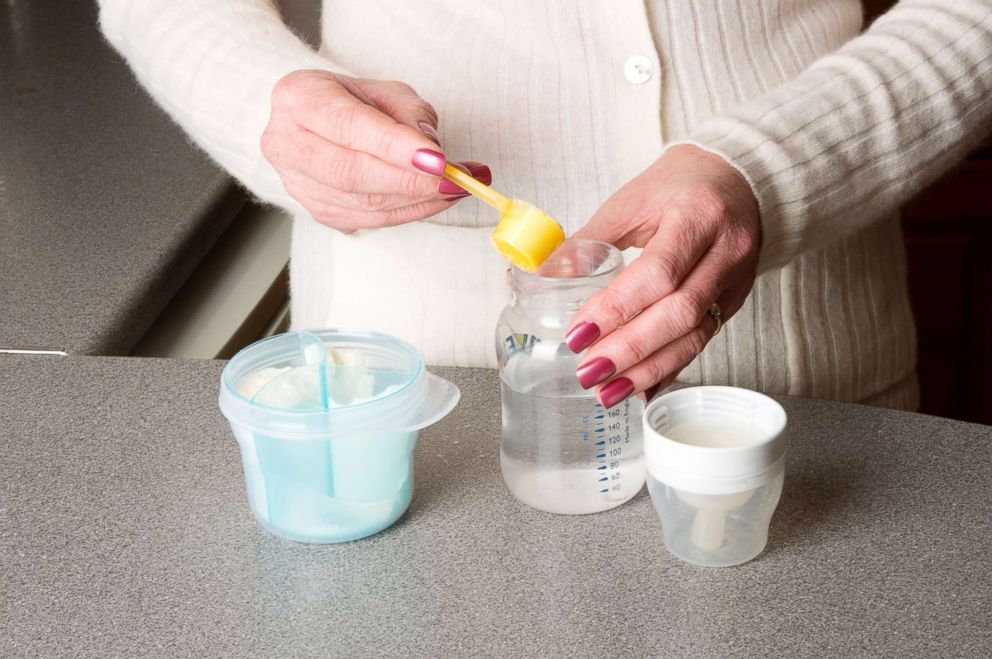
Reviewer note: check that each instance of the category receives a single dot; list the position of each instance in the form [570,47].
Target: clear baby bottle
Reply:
[561,450]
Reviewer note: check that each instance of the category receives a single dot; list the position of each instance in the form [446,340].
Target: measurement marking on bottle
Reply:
[601,429]
[614,432]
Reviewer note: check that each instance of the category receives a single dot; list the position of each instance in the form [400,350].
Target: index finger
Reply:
[354,125]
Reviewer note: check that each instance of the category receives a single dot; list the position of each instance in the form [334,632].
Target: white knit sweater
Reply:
[832,130]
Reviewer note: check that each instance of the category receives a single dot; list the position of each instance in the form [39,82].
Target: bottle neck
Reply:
[569,277]
[559,297]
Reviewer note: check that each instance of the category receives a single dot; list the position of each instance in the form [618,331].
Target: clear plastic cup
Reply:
[322,465]
[715,459]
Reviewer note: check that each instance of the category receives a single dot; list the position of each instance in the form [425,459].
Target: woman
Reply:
[727,139]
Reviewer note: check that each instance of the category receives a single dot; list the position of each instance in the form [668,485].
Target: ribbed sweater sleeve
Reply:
[861,130]
[212,65]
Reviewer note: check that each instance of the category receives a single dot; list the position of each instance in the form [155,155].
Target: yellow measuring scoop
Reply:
[525,234]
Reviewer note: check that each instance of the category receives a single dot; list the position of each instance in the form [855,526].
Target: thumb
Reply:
[401,102]
[630,216]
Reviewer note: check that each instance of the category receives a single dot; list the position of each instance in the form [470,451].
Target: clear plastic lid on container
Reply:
[332,383]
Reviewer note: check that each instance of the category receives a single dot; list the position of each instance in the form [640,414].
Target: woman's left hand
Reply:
[697,220]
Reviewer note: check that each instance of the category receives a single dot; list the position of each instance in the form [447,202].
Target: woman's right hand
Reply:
[354,152]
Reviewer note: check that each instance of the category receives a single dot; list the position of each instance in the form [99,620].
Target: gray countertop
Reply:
[105,206]
[125,530]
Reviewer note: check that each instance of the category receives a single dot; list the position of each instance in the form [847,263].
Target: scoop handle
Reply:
[474,186]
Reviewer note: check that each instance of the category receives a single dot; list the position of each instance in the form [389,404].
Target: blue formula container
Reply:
[327,422]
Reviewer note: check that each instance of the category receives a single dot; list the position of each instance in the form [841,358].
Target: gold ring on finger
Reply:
[717,314]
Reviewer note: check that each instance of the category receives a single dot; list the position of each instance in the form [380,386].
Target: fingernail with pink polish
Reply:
[582,336]
[478,171]
[475,170]
[615,392]
[449,188]
[428,161]
[594,372]
[429,131]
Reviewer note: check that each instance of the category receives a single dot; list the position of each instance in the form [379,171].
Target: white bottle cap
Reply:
[707,469]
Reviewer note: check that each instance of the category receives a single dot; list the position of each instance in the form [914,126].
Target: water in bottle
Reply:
[561,450]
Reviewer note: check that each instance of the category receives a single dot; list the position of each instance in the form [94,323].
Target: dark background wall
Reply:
[948,232]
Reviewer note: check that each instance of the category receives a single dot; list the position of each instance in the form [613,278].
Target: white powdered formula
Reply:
[349,382]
